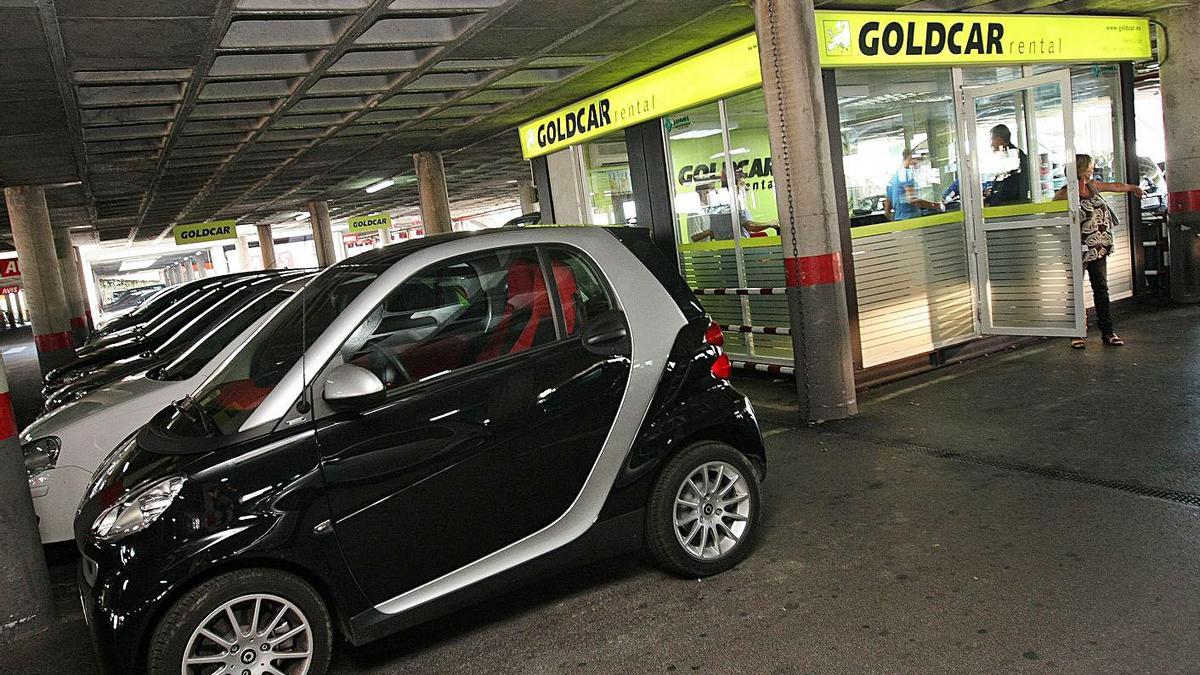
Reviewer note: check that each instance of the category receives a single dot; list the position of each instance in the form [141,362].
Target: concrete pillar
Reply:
[220,265]
[527,195]
[266,246]
[322,231]
[27,604]
[807,201]
[84,291]
[243,253]
[64,250]
[20,303]
[40,276]
[1180,74]
[431,185]
[12,310]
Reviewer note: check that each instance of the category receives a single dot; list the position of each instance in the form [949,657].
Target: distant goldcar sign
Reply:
[196,233]
[375,221]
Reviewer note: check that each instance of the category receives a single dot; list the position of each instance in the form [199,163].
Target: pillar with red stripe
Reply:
[807,199]
[1180,75]
[40,275]
[26,604]
[64,250]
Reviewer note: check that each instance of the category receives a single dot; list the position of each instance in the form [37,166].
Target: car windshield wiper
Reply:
[196,414]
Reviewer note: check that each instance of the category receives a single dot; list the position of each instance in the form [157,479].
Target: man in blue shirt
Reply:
[902,200]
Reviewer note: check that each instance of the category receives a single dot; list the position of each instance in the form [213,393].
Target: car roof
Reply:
[388,255]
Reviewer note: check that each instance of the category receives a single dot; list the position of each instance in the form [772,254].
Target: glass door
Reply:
[1024,206]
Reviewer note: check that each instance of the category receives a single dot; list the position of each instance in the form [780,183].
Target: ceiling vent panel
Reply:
[351,84]
[418,31]
[96,117]
[329,104]
[277,33]
[134,94]
[272,65]
[245,89]
[384,61]
[211,111]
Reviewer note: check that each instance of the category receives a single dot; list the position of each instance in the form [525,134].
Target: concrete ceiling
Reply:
[146,113]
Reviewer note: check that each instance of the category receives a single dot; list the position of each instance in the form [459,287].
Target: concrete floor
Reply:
[920,536]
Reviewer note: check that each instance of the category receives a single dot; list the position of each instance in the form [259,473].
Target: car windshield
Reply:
[192,361]
[159,301]
[228,399]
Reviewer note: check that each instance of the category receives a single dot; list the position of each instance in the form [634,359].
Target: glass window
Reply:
[899,148]
[582,296]
[455,315]
[607,182]
[750,153]
[194,359]
[229,398]
[697,156]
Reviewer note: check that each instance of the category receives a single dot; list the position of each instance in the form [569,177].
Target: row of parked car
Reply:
[253,463]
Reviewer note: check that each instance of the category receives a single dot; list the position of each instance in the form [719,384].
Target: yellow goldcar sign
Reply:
[730,67]
[375,221]
[900,39]
[848,39]
[196,233]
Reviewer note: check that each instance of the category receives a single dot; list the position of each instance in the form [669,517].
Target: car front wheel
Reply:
[247,622]
[704,510]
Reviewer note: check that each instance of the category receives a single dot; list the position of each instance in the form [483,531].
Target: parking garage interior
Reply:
[988,504]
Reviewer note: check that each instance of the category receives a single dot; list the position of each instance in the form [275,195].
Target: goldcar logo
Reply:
[837,38]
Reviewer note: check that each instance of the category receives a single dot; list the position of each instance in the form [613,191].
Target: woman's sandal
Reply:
[1078,343]
[1113,340]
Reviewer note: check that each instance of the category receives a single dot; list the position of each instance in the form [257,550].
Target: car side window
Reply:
[455,315]
[581,294]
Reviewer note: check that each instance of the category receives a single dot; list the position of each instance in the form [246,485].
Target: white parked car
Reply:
[64,447]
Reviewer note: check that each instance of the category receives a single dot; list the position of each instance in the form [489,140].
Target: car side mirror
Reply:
[349,387]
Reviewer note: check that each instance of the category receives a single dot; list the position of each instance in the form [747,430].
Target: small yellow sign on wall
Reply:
[375,221]
[197,233]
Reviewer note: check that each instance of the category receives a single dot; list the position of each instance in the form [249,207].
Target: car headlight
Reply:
[137,510]
[41,454]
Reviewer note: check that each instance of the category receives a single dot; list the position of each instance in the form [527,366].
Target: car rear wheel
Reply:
[704,510]
[247,622]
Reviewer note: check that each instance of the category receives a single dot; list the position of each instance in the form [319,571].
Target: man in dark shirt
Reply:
[1011,187]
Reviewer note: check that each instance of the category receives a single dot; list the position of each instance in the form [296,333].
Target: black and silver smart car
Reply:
[418,427]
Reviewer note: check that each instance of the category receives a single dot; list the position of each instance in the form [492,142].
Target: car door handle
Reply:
[606,336]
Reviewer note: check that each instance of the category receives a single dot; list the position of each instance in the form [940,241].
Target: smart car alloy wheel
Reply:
[258,634]
[712,509]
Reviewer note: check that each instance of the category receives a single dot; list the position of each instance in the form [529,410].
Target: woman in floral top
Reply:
[1096,221]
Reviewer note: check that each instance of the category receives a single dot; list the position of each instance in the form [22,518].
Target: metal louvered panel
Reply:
[1029,277]
[914,292]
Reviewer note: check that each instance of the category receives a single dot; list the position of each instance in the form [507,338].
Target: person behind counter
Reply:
[722,228]
[902,202]
[1011,187]
[1096,223]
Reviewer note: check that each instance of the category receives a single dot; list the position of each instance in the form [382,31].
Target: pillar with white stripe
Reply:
[806,197]
[26,604]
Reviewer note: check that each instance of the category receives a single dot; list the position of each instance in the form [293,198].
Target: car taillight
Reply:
[714,336]
[722,369]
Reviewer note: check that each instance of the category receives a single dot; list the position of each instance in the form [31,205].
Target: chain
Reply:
[784,143]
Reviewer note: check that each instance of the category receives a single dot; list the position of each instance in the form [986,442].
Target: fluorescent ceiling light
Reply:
[695,133]
[380,185]
[303,216]
[135,265]
[735,151]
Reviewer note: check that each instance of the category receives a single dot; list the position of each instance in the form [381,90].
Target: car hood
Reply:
[116,410]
